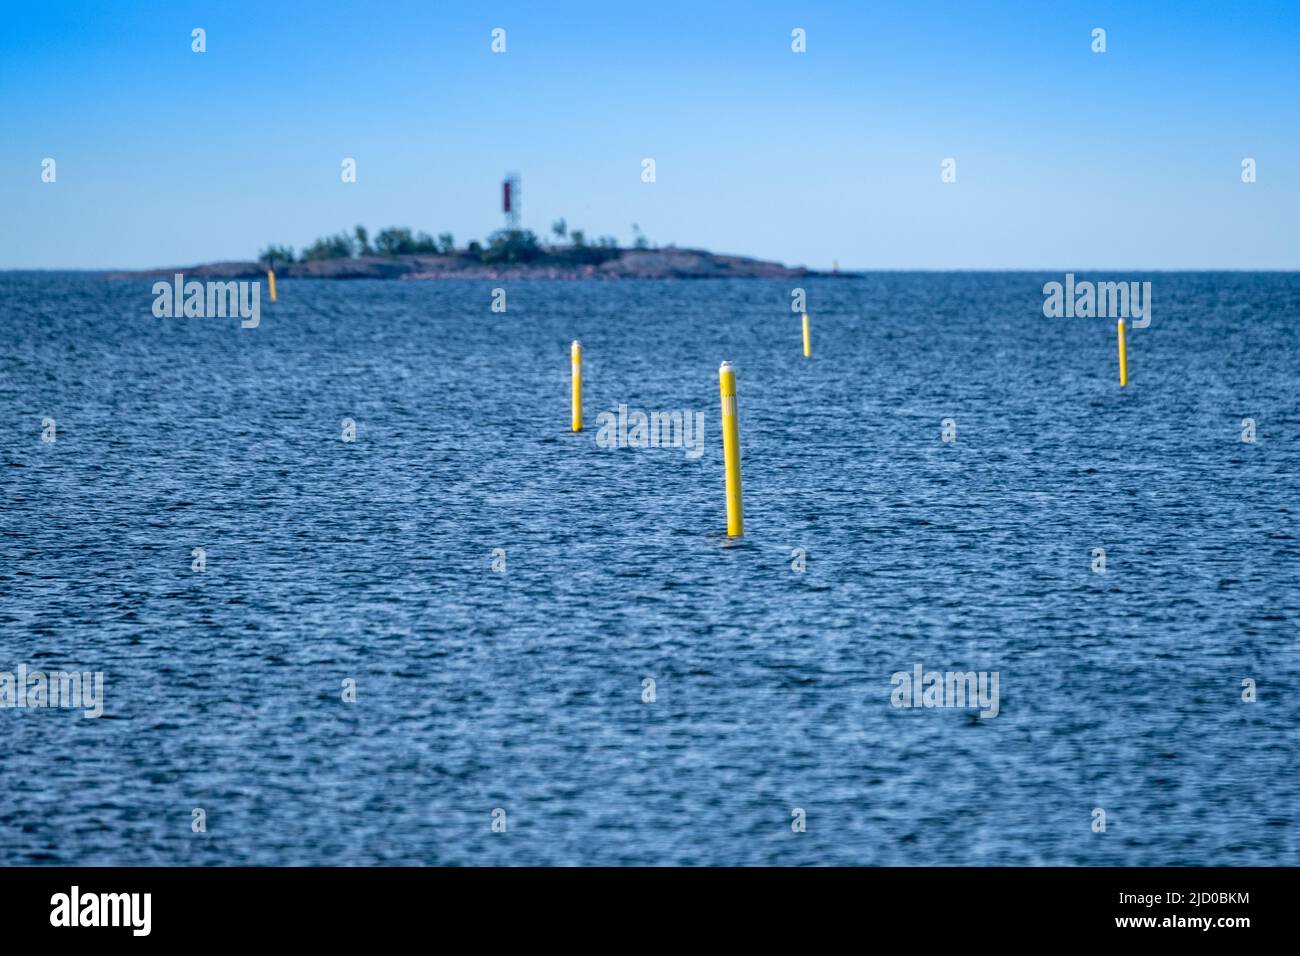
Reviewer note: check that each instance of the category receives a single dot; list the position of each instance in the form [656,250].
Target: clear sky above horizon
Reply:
[1065,158]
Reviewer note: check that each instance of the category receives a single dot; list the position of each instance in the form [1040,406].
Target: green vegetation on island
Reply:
[504,247]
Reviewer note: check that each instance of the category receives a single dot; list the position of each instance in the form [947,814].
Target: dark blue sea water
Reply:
[523,689]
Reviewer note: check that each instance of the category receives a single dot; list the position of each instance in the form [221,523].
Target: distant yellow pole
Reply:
[575,358]
[1123,356]
[807,338]
[270,281]
[731,450]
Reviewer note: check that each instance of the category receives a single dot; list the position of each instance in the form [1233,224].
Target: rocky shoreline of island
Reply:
[669,263]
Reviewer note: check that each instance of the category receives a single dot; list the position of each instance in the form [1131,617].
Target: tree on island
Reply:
[395,241]
[274,254]
[512,245]
[341,246]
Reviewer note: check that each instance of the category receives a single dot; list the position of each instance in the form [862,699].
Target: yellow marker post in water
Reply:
[807,338]
[270,282]
[1123,356]
[575,358]
[731,450]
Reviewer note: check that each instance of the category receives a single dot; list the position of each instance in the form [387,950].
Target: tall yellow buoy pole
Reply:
[575,358]
[807,338]
[1123,356]
[731,450]
[270,281]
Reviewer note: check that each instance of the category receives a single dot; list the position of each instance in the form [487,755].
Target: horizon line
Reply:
[91,270]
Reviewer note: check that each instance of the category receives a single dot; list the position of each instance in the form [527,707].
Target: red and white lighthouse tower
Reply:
[510,201]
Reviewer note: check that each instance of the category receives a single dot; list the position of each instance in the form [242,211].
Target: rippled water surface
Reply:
[523,690]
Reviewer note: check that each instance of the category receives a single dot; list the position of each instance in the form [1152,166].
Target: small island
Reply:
[397,253]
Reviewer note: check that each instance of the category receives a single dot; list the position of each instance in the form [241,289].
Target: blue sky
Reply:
[1065,158]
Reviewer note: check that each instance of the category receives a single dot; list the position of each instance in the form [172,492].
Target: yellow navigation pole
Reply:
[575,357]
[731,450]
[270,281]
[1123,356]
[807,338]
